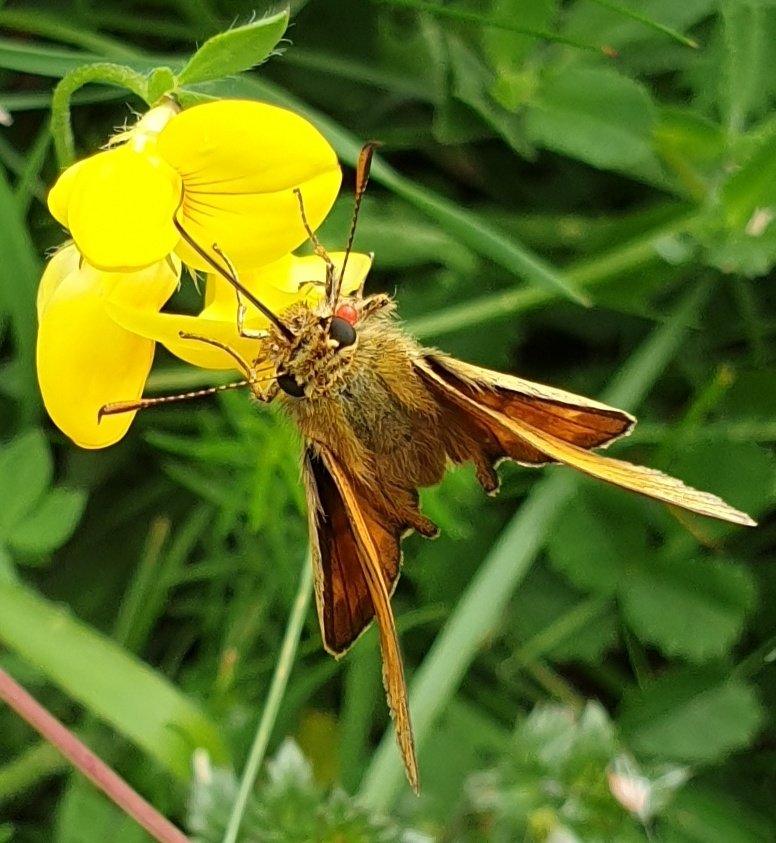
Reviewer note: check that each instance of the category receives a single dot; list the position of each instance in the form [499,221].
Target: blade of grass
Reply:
[87,763]
[359,72]
[138,592]
[29,185]
[35,764]
[19,273]
[464,16]
[586,274]
[653,24]
[112,684]
[559,631]
[478,612]
[54,62]
[274,699]
[362,692]
[57,28]
[36,100]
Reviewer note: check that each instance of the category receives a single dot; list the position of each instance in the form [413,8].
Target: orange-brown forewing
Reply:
[518,417]
[357,558]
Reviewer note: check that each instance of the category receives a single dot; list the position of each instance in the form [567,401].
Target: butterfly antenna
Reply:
[363,166]
[143,403]
[227,271]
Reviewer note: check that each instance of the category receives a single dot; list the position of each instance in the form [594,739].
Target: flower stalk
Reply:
[105,73]
[86,762]
[274,699]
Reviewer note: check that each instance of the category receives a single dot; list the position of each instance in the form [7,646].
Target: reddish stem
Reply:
[83,759]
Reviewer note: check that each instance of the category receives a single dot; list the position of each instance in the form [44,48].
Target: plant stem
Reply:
[647,21]
[486,21]
[104,73]
[274,698]
[84,760]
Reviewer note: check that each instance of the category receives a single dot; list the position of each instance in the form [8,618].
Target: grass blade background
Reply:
[19,273]
[113,685]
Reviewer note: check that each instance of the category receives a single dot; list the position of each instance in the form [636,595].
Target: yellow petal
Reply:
[61,264]
[293,273]
[86,360]
[282,283]
[255,228]
[119,206]
[167,327]
[239,162]
[60,193]
[277,286]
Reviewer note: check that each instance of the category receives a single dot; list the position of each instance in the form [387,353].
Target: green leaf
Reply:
[691,715]
[691,147]
[85,815]
[507,52]
[691,608]
[235,50]
[747,61]
[25,474]
[598,116]
[742,473]
[588,551]
[471,81]
[698,814]
[113,685]
[160,82]
[752,188]
[50,524]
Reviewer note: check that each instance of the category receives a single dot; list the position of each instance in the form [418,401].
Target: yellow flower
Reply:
[225,171]
[84,358]
[277,285]
[97,330]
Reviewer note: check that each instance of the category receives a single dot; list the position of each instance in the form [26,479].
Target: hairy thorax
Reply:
[365,401]
[311,358]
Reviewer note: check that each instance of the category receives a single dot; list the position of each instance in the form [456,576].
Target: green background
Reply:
[564,641]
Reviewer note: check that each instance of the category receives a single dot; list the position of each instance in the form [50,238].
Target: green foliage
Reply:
[287,807]
[566,775]
[37,517]
[691,715]
[145,590]
[239,48]
[113,685]
[596,115]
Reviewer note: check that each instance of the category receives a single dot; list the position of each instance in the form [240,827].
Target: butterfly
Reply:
[381,416]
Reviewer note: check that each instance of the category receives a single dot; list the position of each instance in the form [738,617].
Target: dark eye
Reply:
[291,386]
[342,331]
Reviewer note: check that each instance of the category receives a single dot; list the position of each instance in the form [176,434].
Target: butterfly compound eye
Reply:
[291,386]
[342,331]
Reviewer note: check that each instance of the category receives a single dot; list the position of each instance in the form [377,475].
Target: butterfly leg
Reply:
[318,248]
[243,364]
[374,303]
[247,333]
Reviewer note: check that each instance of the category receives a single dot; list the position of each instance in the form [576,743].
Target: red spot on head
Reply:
[348,313]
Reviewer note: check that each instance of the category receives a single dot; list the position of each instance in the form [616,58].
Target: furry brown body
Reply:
[367,403]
